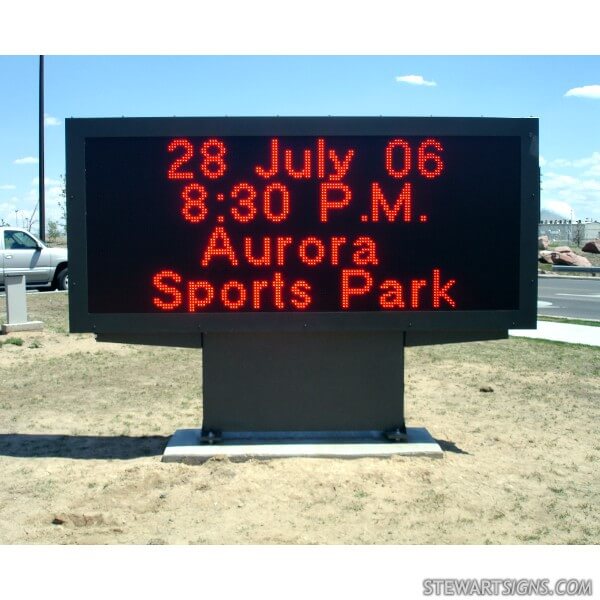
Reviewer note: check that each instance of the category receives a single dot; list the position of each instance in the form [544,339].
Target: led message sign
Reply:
[280,219]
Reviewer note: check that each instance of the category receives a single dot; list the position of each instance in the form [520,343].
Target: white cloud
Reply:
[28,160]
[414,80]
[566,194]
[591,162]
[7,211]
[6,207]
[572,185]
[8,186]
[562,209]
[588,160]
[26,203]
[47,181]
[49,120]
[543,161]
[572,188]
[554,181]
[585,91]
[593,171]
[559,162]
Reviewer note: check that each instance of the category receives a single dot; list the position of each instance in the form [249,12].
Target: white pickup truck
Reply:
[22,253]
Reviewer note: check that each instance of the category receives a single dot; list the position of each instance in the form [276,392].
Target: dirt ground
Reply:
[83,426]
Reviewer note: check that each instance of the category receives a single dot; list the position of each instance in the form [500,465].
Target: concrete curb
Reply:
[557,276]
[561,332]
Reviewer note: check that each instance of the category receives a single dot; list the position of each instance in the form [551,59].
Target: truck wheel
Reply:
[62,280]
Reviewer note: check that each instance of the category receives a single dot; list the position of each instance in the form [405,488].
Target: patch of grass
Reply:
[528,537]
[51,308]
[569,321]
[12,340]
[360,494]
[515,356]
[567,346]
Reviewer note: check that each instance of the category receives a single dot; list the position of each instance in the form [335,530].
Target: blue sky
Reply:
[563,91]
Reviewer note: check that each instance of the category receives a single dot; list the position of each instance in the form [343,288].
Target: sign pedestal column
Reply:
[16,307]
[309,387]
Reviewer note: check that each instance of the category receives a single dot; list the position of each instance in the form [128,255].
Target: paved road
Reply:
[568,297]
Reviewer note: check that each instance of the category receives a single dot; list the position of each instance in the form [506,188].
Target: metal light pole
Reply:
[41,155]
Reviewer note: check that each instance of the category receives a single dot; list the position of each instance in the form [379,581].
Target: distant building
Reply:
[563,231]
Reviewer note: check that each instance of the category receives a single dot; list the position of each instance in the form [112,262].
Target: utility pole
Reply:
[41,155]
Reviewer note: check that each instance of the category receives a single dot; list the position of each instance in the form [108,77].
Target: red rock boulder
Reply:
[570,259]
[561,249]
[593,246]
[543,242]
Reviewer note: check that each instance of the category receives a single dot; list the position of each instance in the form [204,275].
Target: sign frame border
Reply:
[81,320]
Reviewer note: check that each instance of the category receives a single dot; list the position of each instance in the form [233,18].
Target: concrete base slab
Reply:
[28,326]
[184,446]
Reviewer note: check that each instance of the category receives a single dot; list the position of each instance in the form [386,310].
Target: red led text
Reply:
[399,158]
[274,293]
[294,224]
[393,294]
[269,251]
[319,162]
